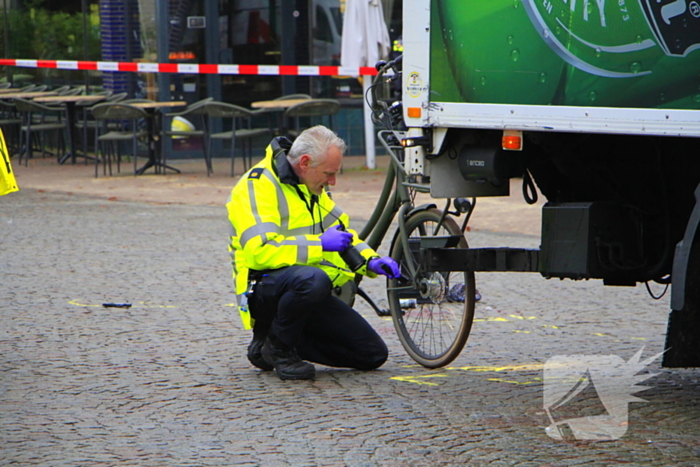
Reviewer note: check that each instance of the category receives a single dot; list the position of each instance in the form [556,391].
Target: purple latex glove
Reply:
[385,266]
[335,239]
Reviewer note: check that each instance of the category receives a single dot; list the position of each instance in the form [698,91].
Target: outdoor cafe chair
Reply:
[311,108]
[10,124]
[112,97]
[269,111]
[85,121]
[137,101]
[117,123]
[71,92]
[38,120]
[240,128]
[61,89]
[196,112]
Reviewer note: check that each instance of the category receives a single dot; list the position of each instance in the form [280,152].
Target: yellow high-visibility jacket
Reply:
[276,222]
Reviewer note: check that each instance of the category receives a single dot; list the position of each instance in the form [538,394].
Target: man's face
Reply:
[319,176]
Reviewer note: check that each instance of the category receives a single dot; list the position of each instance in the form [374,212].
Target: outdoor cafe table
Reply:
[280,104]
[70,103]
[27,95]
[154,146]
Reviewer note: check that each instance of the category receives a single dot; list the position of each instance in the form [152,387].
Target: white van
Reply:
[250,24]
[327,21]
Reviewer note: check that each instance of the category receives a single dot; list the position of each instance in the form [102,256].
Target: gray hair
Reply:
[314,141]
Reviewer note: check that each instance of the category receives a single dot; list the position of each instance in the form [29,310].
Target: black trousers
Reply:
[295,305]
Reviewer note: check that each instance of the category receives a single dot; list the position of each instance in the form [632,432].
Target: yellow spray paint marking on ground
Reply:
[420,379]
[501,380]
[601,334]
[492,320]
[498,319]
[523,367]
[424,379]
[75,302]
[141,305]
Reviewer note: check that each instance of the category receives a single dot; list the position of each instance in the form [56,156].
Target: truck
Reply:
[595,102]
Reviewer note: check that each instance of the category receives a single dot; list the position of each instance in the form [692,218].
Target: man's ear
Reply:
[305,162]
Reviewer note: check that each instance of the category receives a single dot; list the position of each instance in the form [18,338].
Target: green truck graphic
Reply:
[600,53]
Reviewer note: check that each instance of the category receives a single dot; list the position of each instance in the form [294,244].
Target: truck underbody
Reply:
[608,116]
[617,208]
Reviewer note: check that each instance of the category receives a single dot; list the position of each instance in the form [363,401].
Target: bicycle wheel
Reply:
[433,311]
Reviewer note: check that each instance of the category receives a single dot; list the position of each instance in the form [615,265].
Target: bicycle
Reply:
[432,311]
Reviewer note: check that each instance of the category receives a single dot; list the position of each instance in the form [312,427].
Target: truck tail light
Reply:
[512,140]
[414,112]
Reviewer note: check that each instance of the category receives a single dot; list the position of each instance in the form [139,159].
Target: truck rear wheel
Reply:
[683,335]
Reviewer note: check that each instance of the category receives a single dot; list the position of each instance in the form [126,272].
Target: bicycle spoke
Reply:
[408,287]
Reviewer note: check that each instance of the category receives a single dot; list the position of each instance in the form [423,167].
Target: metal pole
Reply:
[213,46]
[288,32]
[162,47]
[7,41]
[86,54]
[131,80]
[369,125]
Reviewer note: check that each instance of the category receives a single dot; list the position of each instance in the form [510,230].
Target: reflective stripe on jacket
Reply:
[276,222]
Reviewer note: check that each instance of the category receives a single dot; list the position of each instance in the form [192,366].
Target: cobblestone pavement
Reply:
[166,382]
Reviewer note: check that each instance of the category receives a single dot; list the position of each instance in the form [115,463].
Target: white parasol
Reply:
[365,41]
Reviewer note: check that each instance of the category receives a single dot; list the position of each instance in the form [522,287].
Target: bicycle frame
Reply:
[431,313]
[395,197]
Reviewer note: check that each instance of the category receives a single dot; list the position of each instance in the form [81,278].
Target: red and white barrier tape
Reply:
[194,68]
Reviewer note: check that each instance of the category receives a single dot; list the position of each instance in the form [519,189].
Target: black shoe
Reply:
[255,354]
[287,363]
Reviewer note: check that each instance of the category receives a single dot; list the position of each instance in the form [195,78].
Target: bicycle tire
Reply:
[435,330]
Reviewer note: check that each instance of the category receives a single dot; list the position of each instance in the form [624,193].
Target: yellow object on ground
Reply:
[8,184]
